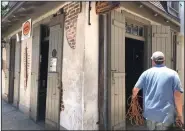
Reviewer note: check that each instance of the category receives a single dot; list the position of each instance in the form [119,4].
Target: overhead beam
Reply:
[16,7]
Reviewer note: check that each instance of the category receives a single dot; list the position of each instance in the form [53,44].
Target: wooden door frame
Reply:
[147,53]
[109,68]
[58,19]
[18,43]
[35,118]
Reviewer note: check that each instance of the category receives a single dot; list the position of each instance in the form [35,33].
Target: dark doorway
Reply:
[44,48]
[134,66]
[11,70]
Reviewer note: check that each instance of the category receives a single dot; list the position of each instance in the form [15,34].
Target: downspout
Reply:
[105,103]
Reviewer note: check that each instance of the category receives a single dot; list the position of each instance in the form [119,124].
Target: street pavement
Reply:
[13,119]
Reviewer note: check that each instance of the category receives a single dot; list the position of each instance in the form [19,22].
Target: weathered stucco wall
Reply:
[80,75]
[24,103]
[90,91]
[3,70]
[72,78]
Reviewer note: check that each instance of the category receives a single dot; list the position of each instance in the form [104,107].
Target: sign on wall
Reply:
[106,6]
[26,29]
[53,64]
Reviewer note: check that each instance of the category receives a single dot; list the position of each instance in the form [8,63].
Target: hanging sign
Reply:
[53,65]
[26,29]
[106,6]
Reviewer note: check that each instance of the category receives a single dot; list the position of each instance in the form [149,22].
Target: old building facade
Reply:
[72,64]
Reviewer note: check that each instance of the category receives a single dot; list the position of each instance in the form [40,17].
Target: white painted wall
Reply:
[80,75]
[24,103]
[72,78]
[3,73]
[90,92]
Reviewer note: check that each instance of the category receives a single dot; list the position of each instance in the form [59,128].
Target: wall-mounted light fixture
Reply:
[167,21]
[155,14]
[140,6]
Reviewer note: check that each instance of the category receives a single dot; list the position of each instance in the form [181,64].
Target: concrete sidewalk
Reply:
[13,119]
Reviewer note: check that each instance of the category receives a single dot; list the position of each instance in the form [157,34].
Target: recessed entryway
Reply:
[134,66]
[44,48]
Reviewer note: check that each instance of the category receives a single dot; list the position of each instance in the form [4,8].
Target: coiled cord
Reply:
[134,113]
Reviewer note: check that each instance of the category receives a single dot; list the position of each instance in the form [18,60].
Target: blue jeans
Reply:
[152,126]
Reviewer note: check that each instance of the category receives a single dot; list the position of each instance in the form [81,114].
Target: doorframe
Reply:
[101,73]
[109,68]
[18,43]
[38,88]
[147,50]
[55,20]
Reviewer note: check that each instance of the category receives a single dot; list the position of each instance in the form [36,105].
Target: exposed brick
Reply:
[71,14]
[72,11]
[75,13]
[74,2]
[67,20]
[76,6]
[67,27]
[73,18]
[78,10]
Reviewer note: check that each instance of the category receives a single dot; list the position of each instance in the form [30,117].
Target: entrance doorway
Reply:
[11,70]
[134,66]
[44,48]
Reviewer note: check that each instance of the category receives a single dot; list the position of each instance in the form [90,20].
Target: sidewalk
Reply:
[13,119]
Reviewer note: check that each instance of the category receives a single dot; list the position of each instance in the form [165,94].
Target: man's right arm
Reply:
[178,90]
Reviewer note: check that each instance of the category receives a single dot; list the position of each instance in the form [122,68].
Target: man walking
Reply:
[162,94]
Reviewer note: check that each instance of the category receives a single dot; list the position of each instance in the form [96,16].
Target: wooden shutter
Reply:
[161,41]
[54,77]
[35,72]
[117,71]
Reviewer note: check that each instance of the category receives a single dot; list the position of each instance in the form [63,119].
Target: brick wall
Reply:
[71,14]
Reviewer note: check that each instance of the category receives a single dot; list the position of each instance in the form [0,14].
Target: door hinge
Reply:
[153,34]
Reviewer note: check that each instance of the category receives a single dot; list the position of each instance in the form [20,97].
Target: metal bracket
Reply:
[113,80]
[89,14]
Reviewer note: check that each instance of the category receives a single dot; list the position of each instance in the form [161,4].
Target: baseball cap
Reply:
[157,56]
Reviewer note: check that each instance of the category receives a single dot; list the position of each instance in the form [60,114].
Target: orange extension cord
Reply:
[134,113]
